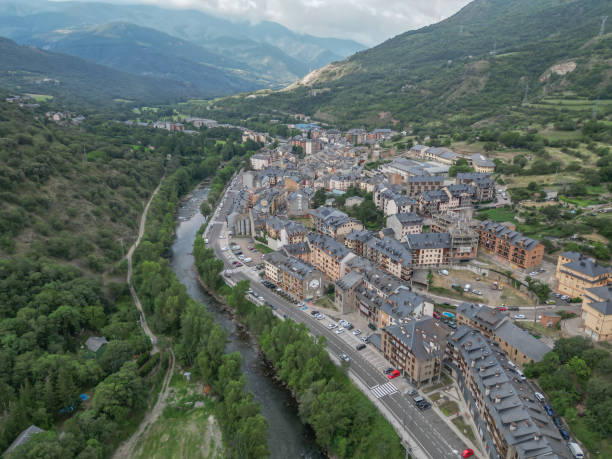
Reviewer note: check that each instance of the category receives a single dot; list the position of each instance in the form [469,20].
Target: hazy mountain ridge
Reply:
[271,53]
[25,69]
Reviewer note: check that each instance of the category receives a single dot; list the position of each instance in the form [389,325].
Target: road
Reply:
[427,435]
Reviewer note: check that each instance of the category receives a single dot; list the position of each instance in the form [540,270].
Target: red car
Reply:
[467,453]
[393,374]
[502,308]
[436,315]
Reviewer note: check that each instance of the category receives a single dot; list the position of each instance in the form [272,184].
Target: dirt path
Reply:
[141,229]
[126,449]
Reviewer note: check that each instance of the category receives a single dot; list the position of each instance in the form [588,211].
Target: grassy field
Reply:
[325,302]
[187,427]
[501,214]
[306,221]
[540,330]
[40,97]
[263,248]
[464,427]
[449,408]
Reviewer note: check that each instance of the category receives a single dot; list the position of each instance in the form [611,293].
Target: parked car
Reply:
[372,326]
[393,374]
[502,308]
[513,308]
[344,357]
[340,331]
[557,421]
[388,370]
[549,410]
[436,315]
[357,332]
[413,392]
[331,326]
[540,397]
[564,433]
[519,316]
[361,346]
[467,452]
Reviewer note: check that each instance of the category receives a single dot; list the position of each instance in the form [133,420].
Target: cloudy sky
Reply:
[367,21]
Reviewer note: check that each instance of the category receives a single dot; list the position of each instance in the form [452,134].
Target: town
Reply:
[356,238]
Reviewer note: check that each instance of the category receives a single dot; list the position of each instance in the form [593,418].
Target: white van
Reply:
[467,288]
[540,397]
[575,449]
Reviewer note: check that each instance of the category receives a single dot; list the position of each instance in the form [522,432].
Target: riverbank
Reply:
[345,422]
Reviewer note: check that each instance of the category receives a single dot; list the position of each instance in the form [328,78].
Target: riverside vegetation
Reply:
[68,196]
[345,422]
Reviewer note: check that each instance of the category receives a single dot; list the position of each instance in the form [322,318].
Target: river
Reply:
[288,438]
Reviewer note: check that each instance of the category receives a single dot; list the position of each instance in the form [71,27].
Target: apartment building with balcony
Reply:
[575,274]
[510,246]
[300,280]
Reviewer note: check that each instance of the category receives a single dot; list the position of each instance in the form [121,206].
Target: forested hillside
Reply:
[29,70]
[490,56]
[69,204]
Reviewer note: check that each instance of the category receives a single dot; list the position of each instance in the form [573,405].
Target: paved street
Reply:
[426,433]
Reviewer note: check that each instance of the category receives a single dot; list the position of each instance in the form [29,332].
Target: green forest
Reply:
[577,378]
[70,202]
[345,422]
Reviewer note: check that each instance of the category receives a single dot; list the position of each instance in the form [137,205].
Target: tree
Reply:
[205,208]
[319,197]
[566,348]
[119,393]
[579,368]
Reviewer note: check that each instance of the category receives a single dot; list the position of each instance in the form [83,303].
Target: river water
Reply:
[288,438]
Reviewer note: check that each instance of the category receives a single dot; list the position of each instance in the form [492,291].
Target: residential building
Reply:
[576,274]
[300,202]
[481,163]
[511,423]
[416,185]
[22,439]
[429,250]
[333,222]
[520,346]
[597,313]
[510,246]
[260,161]
[356,239]
[390,255]
[441,155]
[353,201]
[416,348]
[357,136]
[300,280]
[464,238]
[344,295]
[390,199]
[328,255]
[405,223]
[483,184]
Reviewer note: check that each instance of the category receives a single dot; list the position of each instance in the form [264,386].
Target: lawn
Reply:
[501,214]
[325,302]
[597,446]
[464,427]
[40,97]
[306,221]
[263,248]
[580,202]
[540,330]
[449,408]
[433,397]
[184,430]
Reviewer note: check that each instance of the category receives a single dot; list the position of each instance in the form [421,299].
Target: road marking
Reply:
[385,389]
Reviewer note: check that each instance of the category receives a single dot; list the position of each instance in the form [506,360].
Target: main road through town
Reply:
[425,434]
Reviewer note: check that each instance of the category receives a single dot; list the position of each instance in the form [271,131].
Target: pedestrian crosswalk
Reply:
[386,389]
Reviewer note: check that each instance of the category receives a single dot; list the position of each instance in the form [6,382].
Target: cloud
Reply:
[367,21]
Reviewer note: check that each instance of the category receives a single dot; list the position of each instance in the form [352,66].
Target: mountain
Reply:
[31,70]
[145,51]
[491,55]
[267,51]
